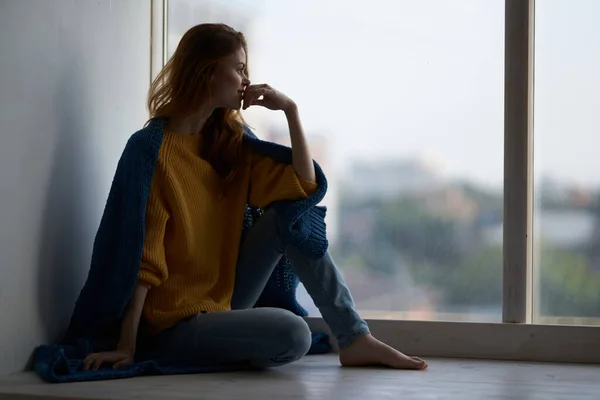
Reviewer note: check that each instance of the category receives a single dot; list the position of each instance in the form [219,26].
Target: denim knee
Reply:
[292,335]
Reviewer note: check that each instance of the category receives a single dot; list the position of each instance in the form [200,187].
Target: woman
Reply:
[199,279]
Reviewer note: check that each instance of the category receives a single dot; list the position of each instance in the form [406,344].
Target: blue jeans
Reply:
[265,337]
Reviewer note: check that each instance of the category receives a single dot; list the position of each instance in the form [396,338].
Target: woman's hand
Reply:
[118,358]
[265,96]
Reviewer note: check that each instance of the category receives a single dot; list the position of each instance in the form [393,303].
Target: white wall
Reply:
[73,81]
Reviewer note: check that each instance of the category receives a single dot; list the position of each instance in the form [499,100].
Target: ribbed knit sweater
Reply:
[193,228]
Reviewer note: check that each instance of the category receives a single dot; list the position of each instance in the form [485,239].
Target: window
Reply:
[394,97]
[447,204]
[567,182]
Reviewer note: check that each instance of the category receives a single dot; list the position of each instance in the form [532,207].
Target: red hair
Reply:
[184,84]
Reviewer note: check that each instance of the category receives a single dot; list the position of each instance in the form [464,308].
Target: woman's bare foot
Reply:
[368,351]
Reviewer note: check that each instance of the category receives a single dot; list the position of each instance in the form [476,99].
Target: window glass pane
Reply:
[567,181]
[402,102]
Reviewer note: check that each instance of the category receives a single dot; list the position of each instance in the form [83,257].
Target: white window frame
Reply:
[516,338]
[158,36]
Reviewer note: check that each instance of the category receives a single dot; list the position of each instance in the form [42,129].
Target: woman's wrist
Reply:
[291,110]
[126,349]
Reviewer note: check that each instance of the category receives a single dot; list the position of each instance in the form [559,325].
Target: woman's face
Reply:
[230,81]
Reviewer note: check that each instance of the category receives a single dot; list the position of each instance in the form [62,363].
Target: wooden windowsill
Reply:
[496,341]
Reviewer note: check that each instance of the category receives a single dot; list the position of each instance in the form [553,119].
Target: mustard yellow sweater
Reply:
[193,233]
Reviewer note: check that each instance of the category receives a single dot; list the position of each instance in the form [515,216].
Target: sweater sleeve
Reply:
[271,181]
[153,268]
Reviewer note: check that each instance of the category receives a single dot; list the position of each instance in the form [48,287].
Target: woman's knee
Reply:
[291,336]
[297,335]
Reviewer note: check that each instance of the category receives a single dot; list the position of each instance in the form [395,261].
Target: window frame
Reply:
[517,337]
[517,299]
[158,36]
